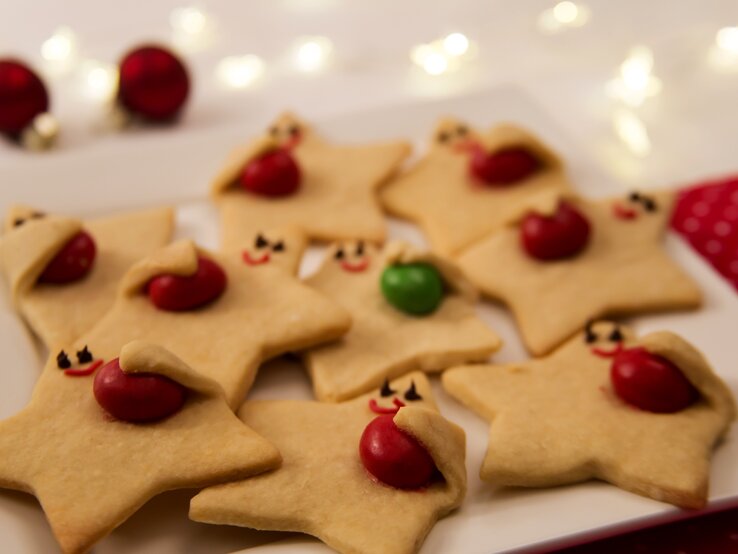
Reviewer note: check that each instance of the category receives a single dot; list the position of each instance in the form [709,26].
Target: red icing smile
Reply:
[623,212]
[83,372]
[356,267]
[255,261]
[377,409]
[465,146]
[602,353]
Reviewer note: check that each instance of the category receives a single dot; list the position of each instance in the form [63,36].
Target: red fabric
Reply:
[715,533]
[707,216]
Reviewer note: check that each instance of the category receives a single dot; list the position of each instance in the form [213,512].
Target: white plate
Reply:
[144,169]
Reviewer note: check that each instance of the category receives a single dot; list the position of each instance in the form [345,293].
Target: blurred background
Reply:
[648,88]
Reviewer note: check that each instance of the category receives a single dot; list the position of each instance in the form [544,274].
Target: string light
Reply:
[59,50]
[724,53]
[635,83]
[192,28]
[564,15]
[632,131]
[240,71]
[313,53]
[99,79]
[443,55]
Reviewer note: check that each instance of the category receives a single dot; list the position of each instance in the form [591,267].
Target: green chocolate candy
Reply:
[415,288]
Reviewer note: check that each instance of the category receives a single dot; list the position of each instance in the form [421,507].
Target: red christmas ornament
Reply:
[560,235]
[137,398]
[650,382]
[153,84]
[24,103]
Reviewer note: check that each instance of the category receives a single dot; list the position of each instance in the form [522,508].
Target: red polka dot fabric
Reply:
[707,216]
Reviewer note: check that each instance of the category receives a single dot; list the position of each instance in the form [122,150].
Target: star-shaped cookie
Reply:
[59,313]
[385,342]
[336,199]
[90,472]
[453,207]
[263,312]
[323,489]
[622,270]
[557,419]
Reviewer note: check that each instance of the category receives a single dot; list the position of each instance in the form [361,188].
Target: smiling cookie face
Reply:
[80,365]
[453,135]
[353,256]
[20,215]
[287,130]
[277,247]
[635,206]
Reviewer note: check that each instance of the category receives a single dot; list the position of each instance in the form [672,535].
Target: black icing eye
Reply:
[38,215]
[616,335]
[649,204]
[386,390]
[634,196]
[84,356]
[412,394]
[339,254]
[273,131]
[461,130]
[443,137]
[62,360]
[278,247]
[260,241]
[294,130]
[18,222]
[360,248]
[589,335]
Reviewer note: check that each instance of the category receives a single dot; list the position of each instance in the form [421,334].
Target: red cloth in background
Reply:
[715,533]
[707,216]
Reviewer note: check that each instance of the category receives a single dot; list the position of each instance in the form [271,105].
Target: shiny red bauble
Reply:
[503,167]
[176,293]
[137,398]
[393,457]
[275,173]
[23,96]
[154,83]
[72,262]
[554,237]
[650,382]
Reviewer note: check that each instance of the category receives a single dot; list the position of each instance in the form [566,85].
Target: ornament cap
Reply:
[41,133]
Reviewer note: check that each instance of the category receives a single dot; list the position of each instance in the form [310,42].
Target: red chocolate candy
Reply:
[274,174]
[503,167]
[561,235]
[153,83]
[394,457]
[176,293]
[650,382]
[137,398]
[72,262]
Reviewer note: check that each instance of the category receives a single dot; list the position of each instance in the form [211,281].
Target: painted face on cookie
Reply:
[390,455]
[82,364]
[454,136]
[21,219]
[287,131]
[603,339]
[635,206]
[263,249]
[352,257]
